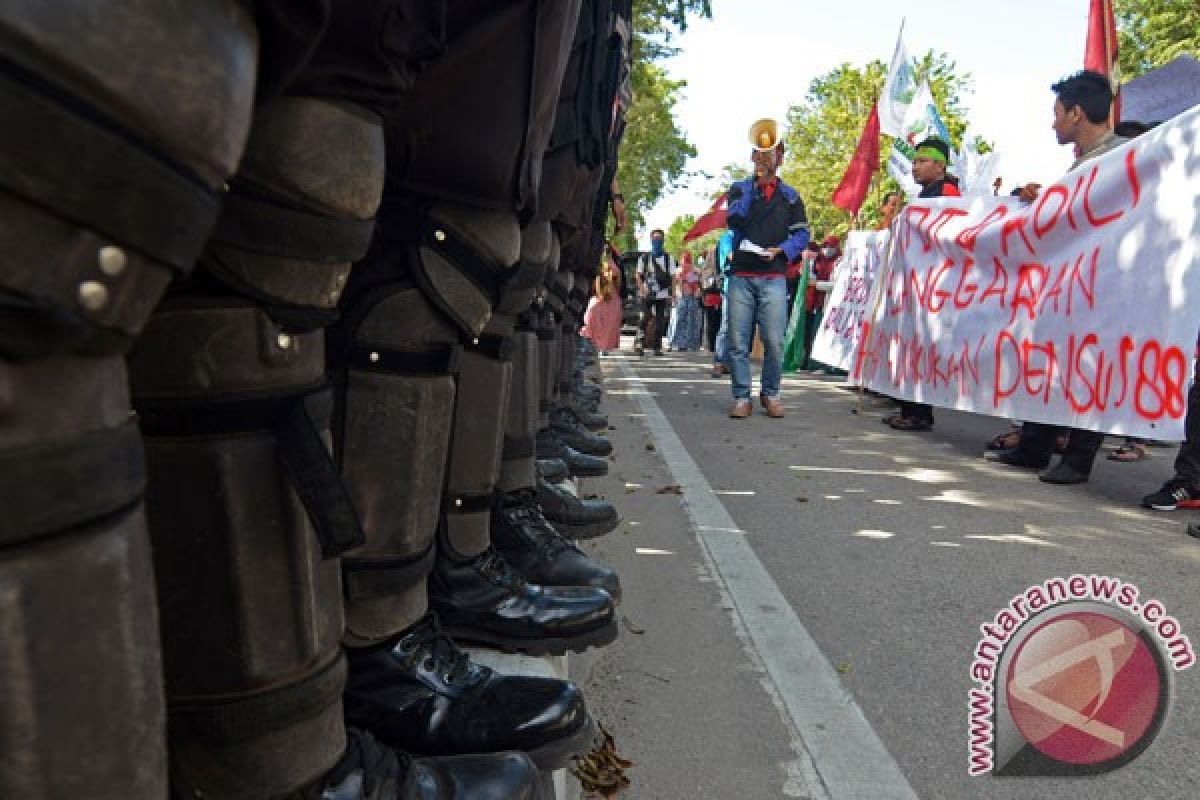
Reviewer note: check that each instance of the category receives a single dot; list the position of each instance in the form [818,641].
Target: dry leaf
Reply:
[601,772]
[673,488]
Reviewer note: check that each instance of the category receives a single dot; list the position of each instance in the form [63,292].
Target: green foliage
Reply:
[675,232]
[654,150]
[823,133]
[1152,32]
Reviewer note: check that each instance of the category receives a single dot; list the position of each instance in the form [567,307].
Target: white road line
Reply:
[849,758]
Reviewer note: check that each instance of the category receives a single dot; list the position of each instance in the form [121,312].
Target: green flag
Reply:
[793,340]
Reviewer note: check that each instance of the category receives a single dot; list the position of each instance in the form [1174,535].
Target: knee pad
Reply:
[110,174]
[247,515]
[395,358]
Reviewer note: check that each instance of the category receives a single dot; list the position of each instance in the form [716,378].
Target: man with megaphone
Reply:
[770,229]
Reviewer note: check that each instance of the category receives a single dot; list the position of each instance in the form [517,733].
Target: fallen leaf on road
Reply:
[843,668]
[631,627]
[650,446]
[674,488]
[801,499]
[601,772]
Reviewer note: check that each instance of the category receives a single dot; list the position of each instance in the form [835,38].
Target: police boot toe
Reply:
[484,600]
[574,435]
[370,771]
[540,553]
[578,464]
[422,694]
[552,470]
[573,517]
[587,418]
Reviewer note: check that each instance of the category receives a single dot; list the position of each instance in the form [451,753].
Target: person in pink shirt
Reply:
[602,320]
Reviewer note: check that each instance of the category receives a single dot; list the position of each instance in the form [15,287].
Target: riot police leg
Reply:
[108,180]
[521,533]
[246,511]
[404,371]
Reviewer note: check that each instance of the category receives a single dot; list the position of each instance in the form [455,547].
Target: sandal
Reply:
[910,424]
[1129,453]
[1005,441]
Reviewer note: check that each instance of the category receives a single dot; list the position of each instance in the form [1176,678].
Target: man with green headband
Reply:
[929,171]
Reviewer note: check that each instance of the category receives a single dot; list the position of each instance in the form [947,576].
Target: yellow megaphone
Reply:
[764,134]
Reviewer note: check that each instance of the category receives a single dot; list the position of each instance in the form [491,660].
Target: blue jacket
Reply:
[786,229]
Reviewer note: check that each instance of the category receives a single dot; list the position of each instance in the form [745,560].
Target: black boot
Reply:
[484,600]
[584,417]
[573,517]
[370,771]
[540,553]
[578,464]
[552,470]
[574,435]
[422,694]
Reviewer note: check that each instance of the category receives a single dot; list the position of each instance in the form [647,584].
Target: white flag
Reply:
[976,172]
[898,90]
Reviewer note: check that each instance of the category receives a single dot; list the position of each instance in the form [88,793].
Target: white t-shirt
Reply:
[648,265]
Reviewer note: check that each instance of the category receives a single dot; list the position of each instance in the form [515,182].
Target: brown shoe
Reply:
[741,409]
[773,405]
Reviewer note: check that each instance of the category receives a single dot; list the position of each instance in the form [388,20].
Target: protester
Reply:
[892,201]
[929,171]
[602,320]
[770,229]
[1081,112]
[721,346]
[711,281]
[686,319]
[655,279]
[820,274]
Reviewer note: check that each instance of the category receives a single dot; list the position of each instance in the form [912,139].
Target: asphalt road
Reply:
[889,550]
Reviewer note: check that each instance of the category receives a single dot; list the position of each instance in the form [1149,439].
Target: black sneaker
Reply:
[1175,493]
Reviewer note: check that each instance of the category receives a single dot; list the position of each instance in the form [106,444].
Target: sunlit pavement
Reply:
[890,548]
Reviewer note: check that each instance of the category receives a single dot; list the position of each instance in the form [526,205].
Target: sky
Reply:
[755,58]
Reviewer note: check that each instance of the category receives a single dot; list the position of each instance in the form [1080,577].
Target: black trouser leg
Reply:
[712,326]
[1082,447]
[1037,440]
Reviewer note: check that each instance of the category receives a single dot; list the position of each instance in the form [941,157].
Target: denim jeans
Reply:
[761,302]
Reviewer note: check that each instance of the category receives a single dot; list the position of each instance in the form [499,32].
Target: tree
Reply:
[1152,32]
[673,241]
[654,151]
[823,132]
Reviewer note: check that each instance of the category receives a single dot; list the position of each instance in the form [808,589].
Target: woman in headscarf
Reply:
[686,329]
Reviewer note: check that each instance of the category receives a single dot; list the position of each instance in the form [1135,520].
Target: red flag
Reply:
[1100,52]
[851,192]
[713,219]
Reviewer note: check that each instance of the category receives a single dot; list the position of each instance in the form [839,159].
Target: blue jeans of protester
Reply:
[760,302]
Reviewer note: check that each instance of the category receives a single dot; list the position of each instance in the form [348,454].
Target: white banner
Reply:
[1079,309]
[849,301]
